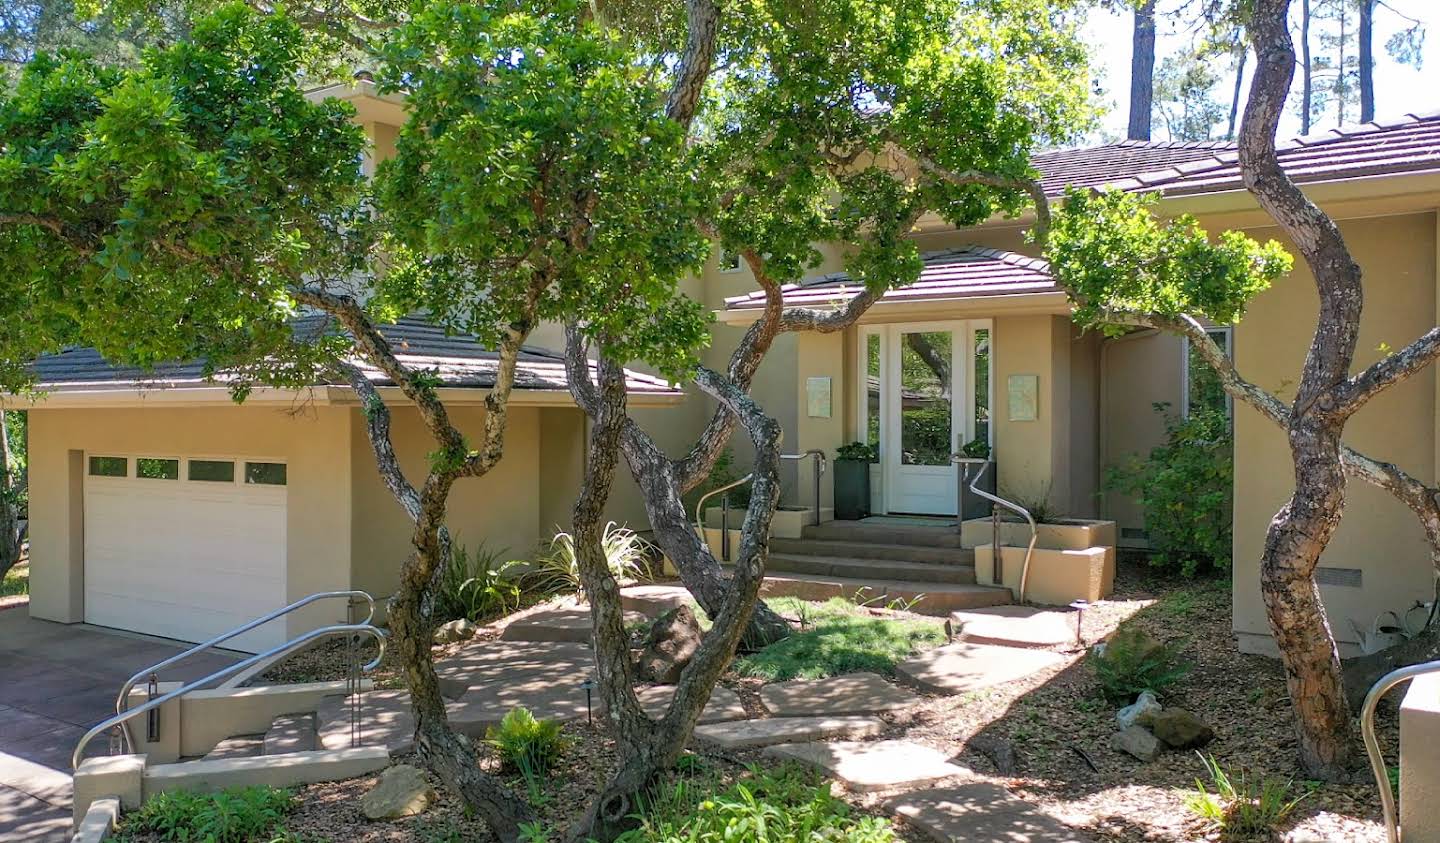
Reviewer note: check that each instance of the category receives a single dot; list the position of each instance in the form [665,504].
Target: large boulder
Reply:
[1137,742]
[1180,729]
[403,791]
[1144,707]
[669,645]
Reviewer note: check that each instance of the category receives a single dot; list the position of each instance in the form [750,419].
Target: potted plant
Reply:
[852,480]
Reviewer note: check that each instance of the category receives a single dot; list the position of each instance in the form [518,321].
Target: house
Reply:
[159,506]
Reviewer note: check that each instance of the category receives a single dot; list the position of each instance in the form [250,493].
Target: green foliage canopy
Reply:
[1117,259]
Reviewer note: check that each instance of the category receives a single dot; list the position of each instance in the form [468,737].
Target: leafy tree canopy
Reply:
[1118,260]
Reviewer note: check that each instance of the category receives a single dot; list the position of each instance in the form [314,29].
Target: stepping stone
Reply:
[854,693]
[1015,626]
[955,668]
[654,600]
[748,734]
[478,662]
[563,625]
[869,767]
[385,720]
[724,703]
[979,812]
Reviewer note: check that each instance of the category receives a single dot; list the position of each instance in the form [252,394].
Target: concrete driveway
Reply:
[56,681]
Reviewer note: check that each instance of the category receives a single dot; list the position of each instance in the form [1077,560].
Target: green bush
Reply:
[1132,661]
[1186,485]
[840,638]
[241,815]
[857,451]
[785,804]
[626,553]
[525,743]
[476,586]
[1240,808]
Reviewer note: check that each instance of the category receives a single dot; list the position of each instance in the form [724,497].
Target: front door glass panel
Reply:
[926,398]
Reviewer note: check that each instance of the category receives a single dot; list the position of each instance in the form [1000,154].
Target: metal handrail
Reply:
[1013,507]
[700,504]
[820,461]
[1372,744]
[122,700]
[124,717]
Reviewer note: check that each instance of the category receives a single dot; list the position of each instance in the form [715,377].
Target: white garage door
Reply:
[185,548]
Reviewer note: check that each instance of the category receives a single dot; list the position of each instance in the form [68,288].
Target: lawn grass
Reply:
[839,637]
[17,581]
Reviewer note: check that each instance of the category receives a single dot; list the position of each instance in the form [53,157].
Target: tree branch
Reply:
[377,421]
[1353,393]
[1041,229]
[703,17]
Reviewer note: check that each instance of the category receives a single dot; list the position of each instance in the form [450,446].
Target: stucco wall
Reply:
[313,441]
[1140,370]
[1377,536]
[500,510]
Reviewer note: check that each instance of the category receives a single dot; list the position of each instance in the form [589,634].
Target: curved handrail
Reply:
[1372,744]
[123,698]
[124,717]
[700,504]
[1013,507]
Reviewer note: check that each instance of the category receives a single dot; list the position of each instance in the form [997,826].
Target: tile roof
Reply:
[964,272]
[1096,166]
[1409,143]
[458,358]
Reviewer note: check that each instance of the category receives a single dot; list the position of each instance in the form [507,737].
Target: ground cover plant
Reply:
[240,815]
[838,637]
[478,586]
[1238,805]
[784,804]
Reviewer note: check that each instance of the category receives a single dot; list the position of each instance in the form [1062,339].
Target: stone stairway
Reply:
[922,566]
[288,733]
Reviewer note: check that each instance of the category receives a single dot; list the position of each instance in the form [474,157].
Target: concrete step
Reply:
[292,733]
[929,598]
[297,768]
[880,569]
[874,550]
[923,535]
[752,734]
[239,746]
[562,625]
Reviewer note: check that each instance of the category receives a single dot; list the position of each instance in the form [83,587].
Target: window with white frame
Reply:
[1200,386]
[728,261]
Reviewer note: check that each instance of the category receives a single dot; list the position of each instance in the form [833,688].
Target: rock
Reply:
[1000,752]
[1137,742]
[401,792]
[457,630]
[1180,729]
[1144,707]
[669,645]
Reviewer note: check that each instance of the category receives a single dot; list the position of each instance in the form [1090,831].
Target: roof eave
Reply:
[1054,302]
[192,394]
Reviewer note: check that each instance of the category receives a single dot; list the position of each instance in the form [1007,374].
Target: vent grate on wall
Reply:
[1339,577]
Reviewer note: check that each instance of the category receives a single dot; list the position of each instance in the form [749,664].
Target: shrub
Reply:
[626,553]
[232,816]
[1185,487]
[1238,807]
[857,451]
[842,638]
[525,743]
[785,804]
[476,586]
[1132,662]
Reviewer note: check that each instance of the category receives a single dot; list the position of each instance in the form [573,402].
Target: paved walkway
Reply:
[56,681]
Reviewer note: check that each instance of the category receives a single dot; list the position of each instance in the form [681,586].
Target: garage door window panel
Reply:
[265,473]
[211,471]
[150,468]
[109,467]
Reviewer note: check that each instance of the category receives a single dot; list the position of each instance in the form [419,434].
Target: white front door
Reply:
[185,548]
[928,393]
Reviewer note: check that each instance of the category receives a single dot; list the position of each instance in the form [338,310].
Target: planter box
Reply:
[789,521]
[976,506]
[1419,763]
[1057,576]
[712,540]
[1064,534]
[852,489]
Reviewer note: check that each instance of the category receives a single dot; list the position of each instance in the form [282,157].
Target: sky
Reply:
[1398,88]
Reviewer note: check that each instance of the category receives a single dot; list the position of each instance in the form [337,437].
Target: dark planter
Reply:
[976,506]
[852,490]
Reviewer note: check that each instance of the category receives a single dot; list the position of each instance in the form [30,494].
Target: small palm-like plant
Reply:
[625,552]
[1239,806]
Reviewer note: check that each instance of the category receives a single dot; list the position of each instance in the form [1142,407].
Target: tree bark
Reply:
[648,747]
[1367,60]
[1142,72]
[1301,529]
[1239,87]
[1307,91]
[11,542]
